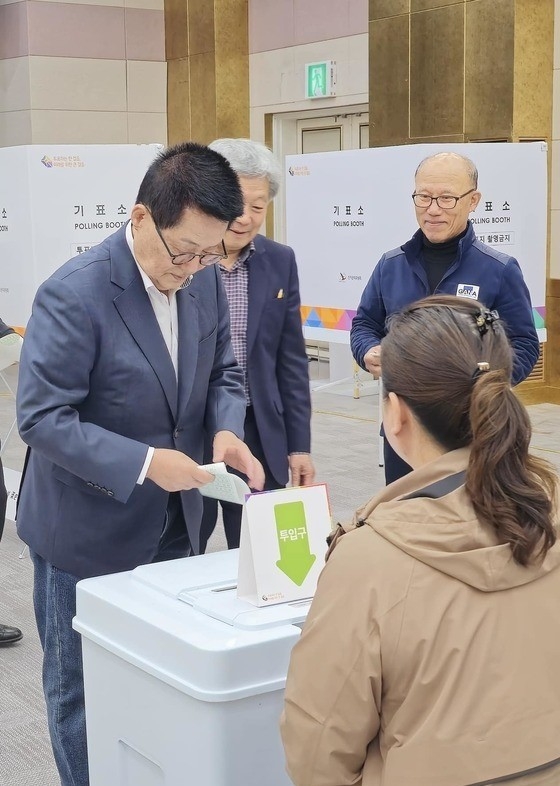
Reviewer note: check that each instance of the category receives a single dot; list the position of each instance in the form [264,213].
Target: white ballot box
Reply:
[184,682]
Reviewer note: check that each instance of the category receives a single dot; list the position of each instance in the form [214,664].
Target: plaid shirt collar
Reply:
[244,256]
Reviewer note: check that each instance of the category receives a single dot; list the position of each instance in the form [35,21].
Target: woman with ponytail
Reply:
[431,653]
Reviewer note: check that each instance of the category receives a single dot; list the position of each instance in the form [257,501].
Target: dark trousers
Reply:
[395,467]
[174,542]
[231,513]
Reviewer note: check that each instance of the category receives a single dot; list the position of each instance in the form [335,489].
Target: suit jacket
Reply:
[277,365]
[96,388]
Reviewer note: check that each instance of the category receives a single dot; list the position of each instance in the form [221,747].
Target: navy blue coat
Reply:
[479,271]
[277,365]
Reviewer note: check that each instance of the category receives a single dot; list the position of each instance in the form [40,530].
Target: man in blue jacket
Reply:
[443,256]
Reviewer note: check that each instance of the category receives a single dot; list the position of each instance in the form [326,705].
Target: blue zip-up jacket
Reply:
[479,271]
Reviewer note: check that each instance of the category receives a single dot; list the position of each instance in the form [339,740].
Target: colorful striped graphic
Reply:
[332,318]
[341,319]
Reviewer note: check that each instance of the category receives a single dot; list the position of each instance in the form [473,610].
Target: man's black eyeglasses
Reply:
[445,202]
[206,259]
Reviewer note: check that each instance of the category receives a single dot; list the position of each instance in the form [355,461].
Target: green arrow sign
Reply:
[296,559]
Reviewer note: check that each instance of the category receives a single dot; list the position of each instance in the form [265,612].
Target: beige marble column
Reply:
[207,49]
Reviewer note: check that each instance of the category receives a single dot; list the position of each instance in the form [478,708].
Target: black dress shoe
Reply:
[9,635]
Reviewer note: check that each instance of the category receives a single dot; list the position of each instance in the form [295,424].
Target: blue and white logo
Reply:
[468,290]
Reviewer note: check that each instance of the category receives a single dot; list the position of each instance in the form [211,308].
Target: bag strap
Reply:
[440,488]
[434,491]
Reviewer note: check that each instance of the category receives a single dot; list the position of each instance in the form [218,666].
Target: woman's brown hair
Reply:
[450,360]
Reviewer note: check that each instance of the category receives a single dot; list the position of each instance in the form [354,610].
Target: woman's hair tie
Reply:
[480,369]
[484,319]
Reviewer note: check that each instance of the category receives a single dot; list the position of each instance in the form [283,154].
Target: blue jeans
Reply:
[54,598]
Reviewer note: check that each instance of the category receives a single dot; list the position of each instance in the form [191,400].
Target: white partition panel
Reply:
[55,202]
[344,209]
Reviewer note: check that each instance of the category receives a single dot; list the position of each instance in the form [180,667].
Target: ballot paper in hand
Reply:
[225,486]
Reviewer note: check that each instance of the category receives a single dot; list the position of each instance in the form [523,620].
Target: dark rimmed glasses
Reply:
[445,202]
[206,259]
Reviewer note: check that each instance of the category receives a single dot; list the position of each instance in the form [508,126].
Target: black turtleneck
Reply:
[438,257]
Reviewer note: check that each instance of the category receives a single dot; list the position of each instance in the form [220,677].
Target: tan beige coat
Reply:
[429,657]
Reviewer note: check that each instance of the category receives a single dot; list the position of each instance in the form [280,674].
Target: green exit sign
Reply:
[320,79]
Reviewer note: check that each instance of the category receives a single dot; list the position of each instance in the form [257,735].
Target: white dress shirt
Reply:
[165,310]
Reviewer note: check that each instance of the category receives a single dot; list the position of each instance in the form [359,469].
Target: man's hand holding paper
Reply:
[235,453]
[175,471]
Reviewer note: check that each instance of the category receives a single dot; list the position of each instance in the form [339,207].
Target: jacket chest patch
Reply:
[468,290]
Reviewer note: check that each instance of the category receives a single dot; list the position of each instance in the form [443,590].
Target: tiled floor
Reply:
[345,449]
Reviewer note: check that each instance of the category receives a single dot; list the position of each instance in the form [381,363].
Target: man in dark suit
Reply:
[261,281]
[126,364]
[8,634]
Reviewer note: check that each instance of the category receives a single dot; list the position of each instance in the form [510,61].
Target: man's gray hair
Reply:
[470,167]
[250,159]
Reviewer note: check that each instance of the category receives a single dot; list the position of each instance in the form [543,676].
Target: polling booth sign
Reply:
[56,201]
[283,542]
[345,209]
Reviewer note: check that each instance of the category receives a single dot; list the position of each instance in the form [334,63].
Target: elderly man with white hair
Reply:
[261,281]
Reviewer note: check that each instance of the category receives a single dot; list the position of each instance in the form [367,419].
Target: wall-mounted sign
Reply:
[320,79]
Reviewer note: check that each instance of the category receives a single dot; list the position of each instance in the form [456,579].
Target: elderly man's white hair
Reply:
[470,167]
[250,159]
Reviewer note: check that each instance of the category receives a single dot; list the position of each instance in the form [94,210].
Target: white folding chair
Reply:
[10,350]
